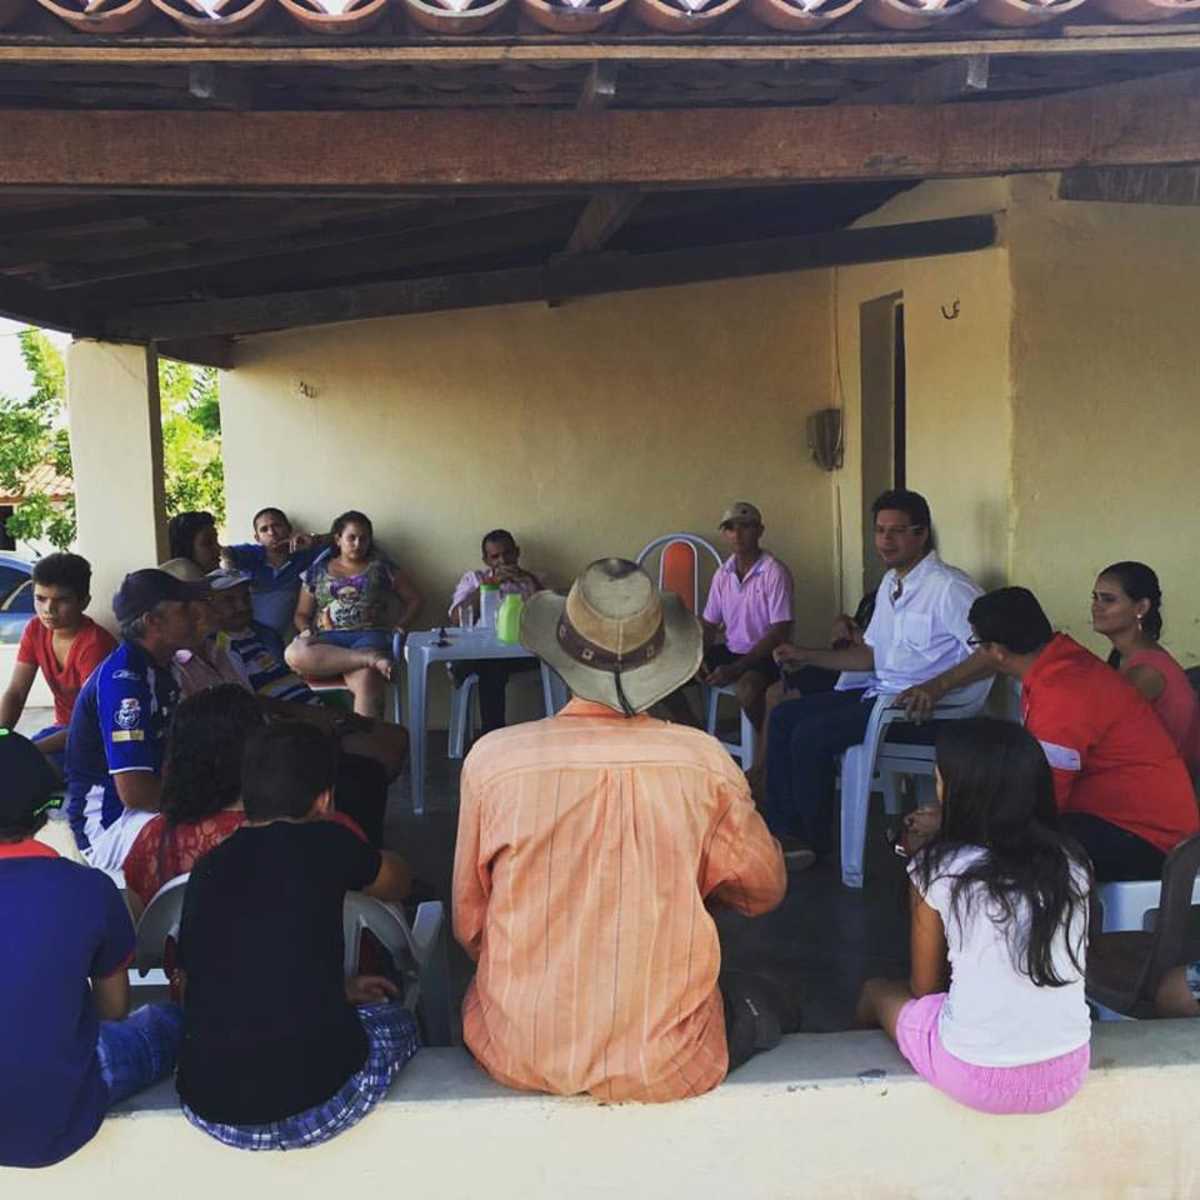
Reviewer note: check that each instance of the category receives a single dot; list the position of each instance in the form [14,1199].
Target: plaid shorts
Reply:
[392,1040]
[1192,972]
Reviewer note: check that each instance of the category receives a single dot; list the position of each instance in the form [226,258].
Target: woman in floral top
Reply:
[344,616]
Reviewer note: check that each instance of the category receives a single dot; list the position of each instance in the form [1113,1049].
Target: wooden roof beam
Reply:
[1132,185]
[1140,123]
[952,79]
[202,352]
[563,278]
[602,216]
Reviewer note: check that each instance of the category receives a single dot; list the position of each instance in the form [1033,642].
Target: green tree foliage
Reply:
[191,430]
[35,433]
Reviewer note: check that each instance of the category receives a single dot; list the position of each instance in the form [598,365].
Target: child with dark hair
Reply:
[276,1055]
[999,901]
[62,643]
[68,1050]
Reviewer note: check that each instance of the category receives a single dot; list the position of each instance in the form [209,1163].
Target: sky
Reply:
[14,379]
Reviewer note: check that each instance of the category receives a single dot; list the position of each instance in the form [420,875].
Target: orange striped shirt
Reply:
[588,844]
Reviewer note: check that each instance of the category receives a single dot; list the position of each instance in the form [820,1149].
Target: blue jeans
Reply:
[803,743]
[58,757]
[140,1050]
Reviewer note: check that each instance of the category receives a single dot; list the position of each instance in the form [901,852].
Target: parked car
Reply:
[16,597]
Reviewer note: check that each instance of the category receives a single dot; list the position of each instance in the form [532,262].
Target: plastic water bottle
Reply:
[508,622]
[489,604]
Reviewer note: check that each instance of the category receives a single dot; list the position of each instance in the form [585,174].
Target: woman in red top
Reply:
[202,788]
[1127,609]
[201,791]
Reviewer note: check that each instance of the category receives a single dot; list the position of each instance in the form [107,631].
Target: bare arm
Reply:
[394,880]
[12,703]
[139,790]
[305,606]
[930,965]
[110,994]
[410,599]
[851,658]
[920,701]
[760,652]
[1146,679]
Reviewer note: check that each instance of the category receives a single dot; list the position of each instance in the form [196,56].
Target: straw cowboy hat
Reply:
[615,638]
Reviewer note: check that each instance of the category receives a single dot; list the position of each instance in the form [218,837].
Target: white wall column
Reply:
[116,449]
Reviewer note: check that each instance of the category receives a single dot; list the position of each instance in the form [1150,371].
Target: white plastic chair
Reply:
[742,750]
[412,949]
[462,715]
[699,548]
[158,925]
[1133,906]
[875,759]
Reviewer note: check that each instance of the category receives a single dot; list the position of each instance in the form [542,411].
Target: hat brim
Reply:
[675,664]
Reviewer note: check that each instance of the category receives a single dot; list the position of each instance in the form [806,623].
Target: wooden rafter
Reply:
[1144,122]
[560,279]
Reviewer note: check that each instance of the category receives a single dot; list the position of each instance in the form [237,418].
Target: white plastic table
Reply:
[421,649]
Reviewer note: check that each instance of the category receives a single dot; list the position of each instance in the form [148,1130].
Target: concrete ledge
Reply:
[837,1115]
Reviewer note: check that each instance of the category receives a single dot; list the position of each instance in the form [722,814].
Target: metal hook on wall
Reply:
[952,315]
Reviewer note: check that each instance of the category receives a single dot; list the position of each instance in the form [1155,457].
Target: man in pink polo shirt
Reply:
[749,612]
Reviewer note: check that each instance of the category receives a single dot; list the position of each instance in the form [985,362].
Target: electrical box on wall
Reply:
[825,438]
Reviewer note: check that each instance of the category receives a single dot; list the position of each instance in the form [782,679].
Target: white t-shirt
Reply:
[924,631]
[995,1016]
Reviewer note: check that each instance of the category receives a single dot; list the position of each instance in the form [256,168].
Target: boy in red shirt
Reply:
[1122,790]
[61,642]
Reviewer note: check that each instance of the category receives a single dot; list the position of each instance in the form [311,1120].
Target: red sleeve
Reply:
[1063,727]
[94,651]
[27,651]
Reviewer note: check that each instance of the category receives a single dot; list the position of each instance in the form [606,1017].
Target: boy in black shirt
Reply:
[275,1054]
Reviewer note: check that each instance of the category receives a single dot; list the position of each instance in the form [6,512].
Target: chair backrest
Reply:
[680,564]
[388,925]
[159,925]
[1174,912]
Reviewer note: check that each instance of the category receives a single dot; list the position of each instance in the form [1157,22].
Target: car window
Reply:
[10,580]
[21,601]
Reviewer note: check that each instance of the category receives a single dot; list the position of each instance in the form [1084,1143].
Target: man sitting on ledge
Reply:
[589,846]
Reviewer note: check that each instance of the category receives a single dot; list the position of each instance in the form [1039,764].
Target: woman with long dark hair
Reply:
[345,619]
[202,787]
[193,535]
[1000,908]
[1127,609]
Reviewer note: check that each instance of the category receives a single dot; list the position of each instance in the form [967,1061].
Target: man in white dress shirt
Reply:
[919,629]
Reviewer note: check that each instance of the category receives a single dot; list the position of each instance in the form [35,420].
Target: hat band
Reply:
[589,654]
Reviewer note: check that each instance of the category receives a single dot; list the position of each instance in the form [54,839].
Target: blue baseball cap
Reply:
[140,591]
[29,783]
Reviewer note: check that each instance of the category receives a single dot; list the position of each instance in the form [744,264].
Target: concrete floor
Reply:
[822,942]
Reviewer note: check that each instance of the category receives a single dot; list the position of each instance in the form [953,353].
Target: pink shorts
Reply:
[1033,1088]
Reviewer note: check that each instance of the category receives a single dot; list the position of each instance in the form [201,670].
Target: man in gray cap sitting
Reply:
[590,848]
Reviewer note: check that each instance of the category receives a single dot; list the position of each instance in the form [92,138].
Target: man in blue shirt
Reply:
[66,1054]
[117,731]
[275,561]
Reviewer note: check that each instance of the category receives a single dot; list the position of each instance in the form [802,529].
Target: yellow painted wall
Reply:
[586,429]
[1107,387]
[958,384]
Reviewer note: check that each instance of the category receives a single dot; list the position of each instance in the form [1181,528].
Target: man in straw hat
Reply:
[588,847]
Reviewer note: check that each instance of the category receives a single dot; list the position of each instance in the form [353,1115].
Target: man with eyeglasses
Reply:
[919,630]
